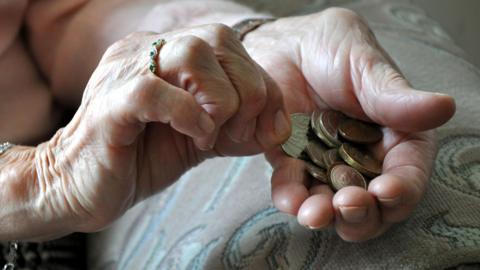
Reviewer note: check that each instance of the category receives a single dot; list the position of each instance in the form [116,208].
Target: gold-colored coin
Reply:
[343,176]
[329,122]
[330,157]
[298,140]
[315,150]
[343,164]
[316,123]
[316,172]
[359,132]
[360,160]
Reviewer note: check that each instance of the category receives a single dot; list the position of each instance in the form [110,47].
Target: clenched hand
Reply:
[135,132]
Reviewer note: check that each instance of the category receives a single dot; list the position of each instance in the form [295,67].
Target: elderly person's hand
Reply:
[136,132]
[332,60]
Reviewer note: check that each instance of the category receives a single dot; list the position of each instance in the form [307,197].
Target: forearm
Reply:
[74,51]
[27,196]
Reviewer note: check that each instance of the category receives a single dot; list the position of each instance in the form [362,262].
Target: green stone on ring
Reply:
[157,45]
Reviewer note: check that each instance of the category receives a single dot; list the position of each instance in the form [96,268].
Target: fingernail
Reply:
[313,228]
[203,147]
[353,214]
[206,147]
[282,125]
[249,131]
[390,202]
[211,143]
[441,94]
[204,144]
[206,123]
[213,140]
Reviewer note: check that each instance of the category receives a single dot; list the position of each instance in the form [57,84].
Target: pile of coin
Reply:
[333,147]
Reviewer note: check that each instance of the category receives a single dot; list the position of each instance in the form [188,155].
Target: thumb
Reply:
[387,98]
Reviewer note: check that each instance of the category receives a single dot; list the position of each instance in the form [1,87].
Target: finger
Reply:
[364,82]
[357,217]
[387,97]
[399,106]
[274,126]
[406,171]
[289,182]
[317,212]
[151,99]
[244,76]
[190,63]
[382,94]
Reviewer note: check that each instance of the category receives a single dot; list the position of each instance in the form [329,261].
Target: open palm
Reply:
[332,60]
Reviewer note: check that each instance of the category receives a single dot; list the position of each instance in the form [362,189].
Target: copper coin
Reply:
[330,157]
[343,176]
[316,123]
[315,152]
[360,160]
[329,169]
[359,132]
[329,122]
[316,172]
[298,140]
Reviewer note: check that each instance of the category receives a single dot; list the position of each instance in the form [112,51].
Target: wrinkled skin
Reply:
[331,60]
[135,132]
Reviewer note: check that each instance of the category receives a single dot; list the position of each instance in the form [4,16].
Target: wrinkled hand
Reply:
[332,60]
[135,133]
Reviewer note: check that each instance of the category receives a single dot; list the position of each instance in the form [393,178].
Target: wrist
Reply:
[60,195]
[264,30]
[271,41]
[23,198]
[29,191]
[15,194]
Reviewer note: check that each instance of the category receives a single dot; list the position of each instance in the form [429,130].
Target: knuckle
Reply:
[190,79]
[132,42]
[114,49]
[338,12]
[191,46]
[221,34]
[143,92]
[351,18]
[221,30]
